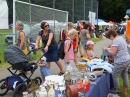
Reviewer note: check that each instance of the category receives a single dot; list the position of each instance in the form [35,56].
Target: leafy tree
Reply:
[114,10]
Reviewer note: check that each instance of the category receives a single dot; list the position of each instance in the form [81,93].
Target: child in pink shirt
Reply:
[68,49]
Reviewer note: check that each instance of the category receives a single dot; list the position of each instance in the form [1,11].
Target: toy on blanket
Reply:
[83,63]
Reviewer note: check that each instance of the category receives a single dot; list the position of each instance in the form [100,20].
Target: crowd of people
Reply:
[78,40]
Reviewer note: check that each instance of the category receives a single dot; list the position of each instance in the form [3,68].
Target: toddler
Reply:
[45,71]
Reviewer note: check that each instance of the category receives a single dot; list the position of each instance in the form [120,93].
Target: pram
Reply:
[18,82]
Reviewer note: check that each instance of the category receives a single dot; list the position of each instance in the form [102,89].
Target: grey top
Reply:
[46,37]
[83,35]
[122,54]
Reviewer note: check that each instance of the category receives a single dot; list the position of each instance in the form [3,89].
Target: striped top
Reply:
[122,54]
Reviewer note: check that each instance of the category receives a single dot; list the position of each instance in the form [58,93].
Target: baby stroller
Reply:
[18,82]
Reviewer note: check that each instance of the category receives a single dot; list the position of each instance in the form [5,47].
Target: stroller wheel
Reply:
[38,80]
[19,90]
[3,88]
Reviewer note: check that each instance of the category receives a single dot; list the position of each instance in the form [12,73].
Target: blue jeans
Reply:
[83,44]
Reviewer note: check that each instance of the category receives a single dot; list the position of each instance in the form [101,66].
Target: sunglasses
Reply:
[46,26]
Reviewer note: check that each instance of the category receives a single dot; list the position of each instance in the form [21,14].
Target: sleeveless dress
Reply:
[51,54]
[19,41]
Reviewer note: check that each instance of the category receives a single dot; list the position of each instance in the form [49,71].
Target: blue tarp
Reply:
[128,11]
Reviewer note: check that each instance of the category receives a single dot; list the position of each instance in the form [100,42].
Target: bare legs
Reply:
[60,66]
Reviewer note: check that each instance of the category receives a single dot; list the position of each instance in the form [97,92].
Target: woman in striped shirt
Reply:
[121,59]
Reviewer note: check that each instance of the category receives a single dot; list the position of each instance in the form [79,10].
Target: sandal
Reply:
[124,93]
[61,73]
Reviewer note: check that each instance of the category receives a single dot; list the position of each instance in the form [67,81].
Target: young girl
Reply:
[68,48]
[45,71]
[88,51]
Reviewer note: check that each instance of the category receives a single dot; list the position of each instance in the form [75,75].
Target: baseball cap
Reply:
[89,42]
[43,58]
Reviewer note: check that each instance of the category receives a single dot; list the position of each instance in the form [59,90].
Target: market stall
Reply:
[87,80]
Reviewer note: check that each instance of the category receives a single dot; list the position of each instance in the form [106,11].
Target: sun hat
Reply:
[43,58]
[89,42]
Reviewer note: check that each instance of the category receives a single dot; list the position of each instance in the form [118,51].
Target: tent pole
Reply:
[14,20]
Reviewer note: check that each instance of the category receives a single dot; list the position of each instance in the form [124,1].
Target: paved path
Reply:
[54,69]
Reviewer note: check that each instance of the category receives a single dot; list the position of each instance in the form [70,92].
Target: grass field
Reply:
[96,39]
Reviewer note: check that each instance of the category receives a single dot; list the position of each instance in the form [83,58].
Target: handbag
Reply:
[25,50]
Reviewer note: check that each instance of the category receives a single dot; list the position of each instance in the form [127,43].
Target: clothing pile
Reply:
[99,63]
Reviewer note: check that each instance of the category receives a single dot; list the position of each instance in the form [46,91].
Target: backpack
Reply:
[61,53]
[62,35]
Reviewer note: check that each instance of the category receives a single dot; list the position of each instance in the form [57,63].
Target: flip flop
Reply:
[61,73]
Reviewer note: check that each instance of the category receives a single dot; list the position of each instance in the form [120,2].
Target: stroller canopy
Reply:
[14,54]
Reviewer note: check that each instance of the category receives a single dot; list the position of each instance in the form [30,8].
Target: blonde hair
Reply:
[70,24]
[20,24]
[72,31]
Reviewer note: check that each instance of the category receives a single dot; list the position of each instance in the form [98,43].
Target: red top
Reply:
[74,43]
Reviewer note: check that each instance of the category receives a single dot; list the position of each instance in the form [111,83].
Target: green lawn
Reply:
[96,39]
[3,46]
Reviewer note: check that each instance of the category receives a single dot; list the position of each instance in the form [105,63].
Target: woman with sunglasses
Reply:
[121,59]
[50,45]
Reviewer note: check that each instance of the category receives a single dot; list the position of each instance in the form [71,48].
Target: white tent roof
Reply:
[3,15]
[103,23]
[123,24]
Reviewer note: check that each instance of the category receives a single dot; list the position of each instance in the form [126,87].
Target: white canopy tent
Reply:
[3,15]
